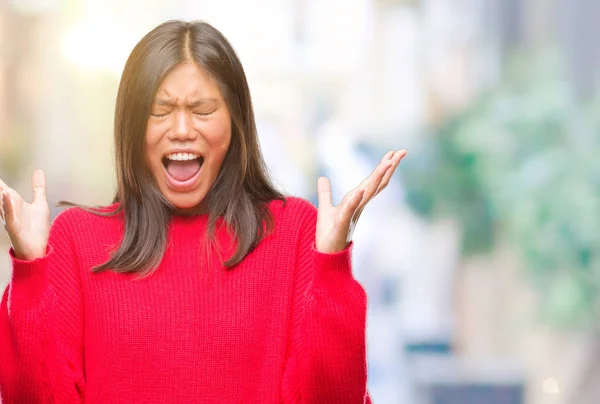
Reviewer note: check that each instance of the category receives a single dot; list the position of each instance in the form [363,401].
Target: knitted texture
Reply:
[287,325]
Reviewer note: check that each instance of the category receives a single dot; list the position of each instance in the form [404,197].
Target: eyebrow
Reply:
[192,104]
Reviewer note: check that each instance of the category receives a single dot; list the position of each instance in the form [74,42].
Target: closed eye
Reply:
[203,114]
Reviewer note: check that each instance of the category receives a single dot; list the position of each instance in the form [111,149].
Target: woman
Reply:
[201,282]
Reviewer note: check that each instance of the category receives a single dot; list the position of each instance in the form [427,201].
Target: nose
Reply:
[182,128]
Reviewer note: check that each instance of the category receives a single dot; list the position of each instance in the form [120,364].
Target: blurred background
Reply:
[481,259]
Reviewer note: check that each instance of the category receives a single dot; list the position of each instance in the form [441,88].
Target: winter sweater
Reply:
[286,325]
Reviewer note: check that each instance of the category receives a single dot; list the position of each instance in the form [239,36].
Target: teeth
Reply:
[182,156]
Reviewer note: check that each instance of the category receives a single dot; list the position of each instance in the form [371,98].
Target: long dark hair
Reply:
[242,188]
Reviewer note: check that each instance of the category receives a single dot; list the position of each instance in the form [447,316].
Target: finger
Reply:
[398,156]
[2,206]
[349,209]
[380,180]
[3,190]
[38,181]
[372,187]
[371,183]
[3,187]
[388,155]
[324,192]
[366,181]
[375,179]
[7,208]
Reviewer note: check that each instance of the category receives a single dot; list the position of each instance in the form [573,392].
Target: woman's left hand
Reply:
[335,224]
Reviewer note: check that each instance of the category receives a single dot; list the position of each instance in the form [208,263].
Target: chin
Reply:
[185,202]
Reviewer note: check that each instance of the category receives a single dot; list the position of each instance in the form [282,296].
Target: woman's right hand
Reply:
[27,224]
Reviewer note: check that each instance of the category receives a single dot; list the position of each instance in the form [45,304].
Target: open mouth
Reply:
[182,167]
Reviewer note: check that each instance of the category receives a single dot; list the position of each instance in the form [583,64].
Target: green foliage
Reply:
[523,163]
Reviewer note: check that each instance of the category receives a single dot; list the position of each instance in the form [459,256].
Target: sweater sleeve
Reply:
[41,326]
[326,360]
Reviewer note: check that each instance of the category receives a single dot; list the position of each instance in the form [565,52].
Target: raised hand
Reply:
[335,224]
[27,224]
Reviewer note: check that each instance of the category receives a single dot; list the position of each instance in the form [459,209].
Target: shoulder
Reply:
[294,206]
[294,211]
[76,217]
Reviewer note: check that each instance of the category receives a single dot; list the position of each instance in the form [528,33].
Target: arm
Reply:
[41,325]
[326,360]
[327,349]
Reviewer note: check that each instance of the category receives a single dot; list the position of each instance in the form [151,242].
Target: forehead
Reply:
[188,80]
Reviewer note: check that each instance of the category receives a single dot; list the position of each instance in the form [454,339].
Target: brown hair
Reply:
[242,188]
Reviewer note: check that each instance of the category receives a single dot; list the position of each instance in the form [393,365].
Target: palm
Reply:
[27,224]
[335,224]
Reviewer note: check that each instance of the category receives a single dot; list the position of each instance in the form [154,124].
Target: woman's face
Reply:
[188,134]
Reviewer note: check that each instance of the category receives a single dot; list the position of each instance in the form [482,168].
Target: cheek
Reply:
[152,136]
[150,147]
[219,138]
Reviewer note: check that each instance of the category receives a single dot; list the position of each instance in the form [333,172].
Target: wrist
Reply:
[332,247]
[28,255]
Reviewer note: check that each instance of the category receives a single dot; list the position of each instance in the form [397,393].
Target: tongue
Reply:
[183,170]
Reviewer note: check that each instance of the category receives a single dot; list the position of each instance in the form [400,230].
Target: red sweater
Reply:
[285,326]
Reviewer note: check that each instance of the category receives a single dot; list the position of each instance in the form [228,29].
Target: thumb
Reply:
[324,192]
[38,181]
